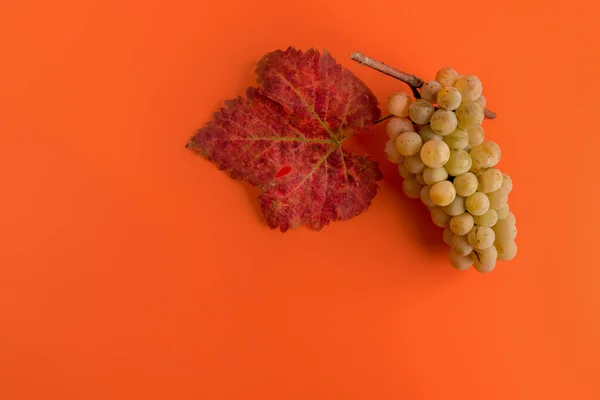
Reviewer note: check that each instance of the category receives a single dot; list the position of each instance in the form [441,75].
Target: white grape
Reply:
[458,163]
[404,172]
[489,180]
[457,206]
[446,76]
[477,203]
[414,164]
[476,135]
[488,219]
[428,134]
[443,122]
[419,178]
[458,139]
[449,98]
[503,212]
[507,183]
[481,237]
[429,91]
[469,86]
[465,184]
[469,114]
[486,155]
[504,231]
[398,125]
[460,262]
[408,143]
[391,153]
[462,224]
[498,198]
[435,153]
[442,193]
[506,250]
[448,235]
[398,104]
[425,199]
[481,101]
[460,244]
[439,217]
[434,175]
[420,111]
[411,188]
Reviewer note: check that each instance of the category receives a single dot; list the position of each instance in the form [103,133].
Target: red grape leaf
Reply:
[285,138]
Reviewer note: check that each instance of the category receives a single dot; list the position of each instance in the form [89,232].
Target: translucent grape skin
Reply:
[476,135]
[481,101]
[446,76]
[469,114]
[449,98]
[391,153]
[487,256]
[460,262]
[488,219]
[481,237]
[448,235]
[398,104]
[404,172]
[425,199]
[439,217]
[457,206]
[490,180]
[428,134]
[442,193]
[398,125]
[482,268]
[503,212]
[419,178]
[457,139]
[462,224]
[465,184]
[460,244]
[411,188]
[505,231]
[511,219]
[443,122]
[429,91]
[408,143]
[507,183]
[420,111]
[435,153]
[470,87]
[486,155]
[506,250]
[477,203]
[498,198]
[434,175]
[414,164]
[458,163]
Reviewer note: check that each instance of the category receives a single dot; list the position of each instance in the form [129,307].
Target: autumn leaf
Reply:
[286,139]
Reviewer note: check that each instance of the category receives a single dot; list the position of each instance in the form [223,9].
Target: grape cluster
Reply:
[440,148]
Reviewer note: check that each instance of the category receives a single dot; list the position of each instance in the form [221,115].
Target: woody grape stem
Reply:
[413,81]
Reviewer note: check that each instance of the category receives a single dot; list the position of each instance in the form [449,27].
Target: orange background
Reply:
[131,268]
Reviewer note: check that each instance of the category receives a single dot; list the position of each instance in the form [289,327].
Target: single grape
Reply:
[449,98]
[425,199]
[391,153]
[457,206]
[498,198]
[461,244]
[486,155]
[411,188]
[460,262]
[443,122]
[414,164]
[511,219]
[408,143]
[503,212]
[429,91]
[439,217]
[462,224]
[469,114]
[507,183]
[477,203]
[419,178]
[505,231]
[487,256]
[458,163]
[398,104]
[448,235]
[469,87]
[506,250]
[458,139]
[427,134]
[476,135]
[420,111]
[465,184]
[489,180]
[435,153]
[488,219]
[434,175]
[404,172]
[481,101]
[481,237]
[442,193]
[482,268]
[398,125]
[446,76]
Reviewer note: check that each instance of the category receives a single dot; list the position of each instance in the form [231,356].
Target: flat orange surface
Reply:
[131,268]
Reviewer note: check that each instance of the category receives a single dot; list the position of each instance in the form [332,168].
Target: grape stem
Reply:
[413,81]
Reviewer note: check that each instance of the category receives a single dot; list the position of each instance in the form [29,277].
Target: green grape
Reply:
[443,122]
[398,125]
[469,114]
[469,87]
[476,135]
[435,153]
[398,104]
[498,198]
[439,217]
[489,180]
[408,143]
[404,172]
[482,268]
[411,188]
[506,250]
[458,163]
[465,184]
[503,212]
[488,219]
[448,235]
[429,91]
[462,224]
[481,101]
[459,261]
[477,203]
[391,153]
[446,76]
[449,98]
[427,134]
[458,139]
[420,111]
[486,155]
[442,193]
[434,175]
[461,244]
[414,164]
[487,256]
[425,199]
[505,231]
[457,206]
[481,237]
[419,178]
[507,183]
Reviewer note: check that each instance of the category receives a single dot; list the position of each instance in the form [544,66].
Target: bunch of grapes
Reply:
[446,162]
